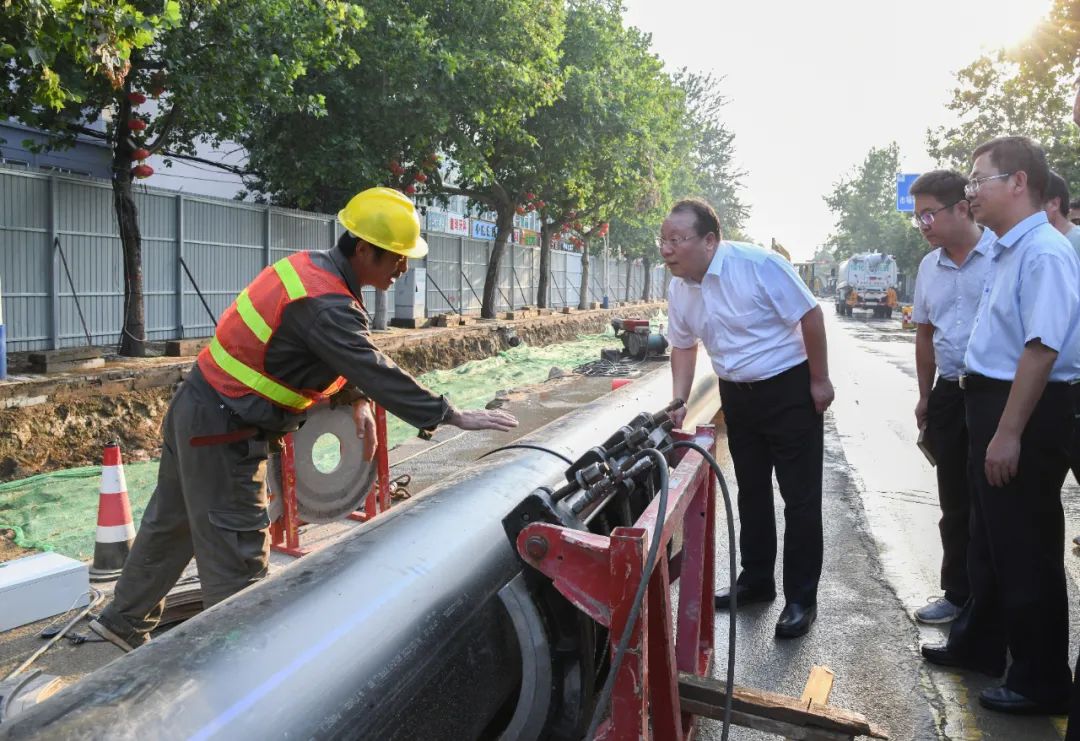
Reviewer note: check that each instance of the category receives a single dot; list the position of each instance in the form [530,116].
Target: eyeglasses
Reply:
[972,188]
[674,241]
[926,219]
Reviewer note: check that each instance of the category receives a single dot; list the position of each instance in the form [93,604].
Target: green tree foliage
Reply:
[436,79]
[53,51]
[710,171]
[213,66]
[866,217]
[1026,91]
[609,143]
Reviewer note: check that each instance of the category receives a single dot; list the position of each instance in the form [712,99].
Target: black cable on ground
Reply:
[733,609]
[529,446]
[639,596]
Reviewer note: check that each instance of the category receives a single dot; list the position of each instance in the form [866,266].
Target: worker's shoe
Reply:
[795,620]
[939,654]
[744,595]
[937,612]
[127,643]
[1004,700]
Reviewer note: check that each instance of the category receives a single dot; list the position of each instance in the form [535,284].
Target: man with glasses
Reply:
[947,291]
[1057,210]
[1023,352]
[765,335]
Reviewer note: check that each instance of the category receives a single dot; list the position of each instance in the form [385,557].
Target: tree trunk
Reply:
[629,273]
[646,290]
[133,334]
[505,227]
[583,299]
[546,232]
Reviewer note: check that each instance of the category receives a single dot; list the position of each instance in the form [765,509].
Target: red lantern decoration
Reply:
[520,211]
[410,189]
[136,124]
[157,91]
[421,177]
[136,98]
[140,154]
[540,204]
[142,171]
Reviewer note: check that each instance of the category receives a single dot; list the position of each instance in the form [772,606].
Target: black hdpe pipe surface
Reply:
[397,630]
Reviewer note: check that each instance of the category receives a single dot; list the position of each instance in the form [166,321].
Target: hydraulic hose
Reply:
[732,612]
[639,596]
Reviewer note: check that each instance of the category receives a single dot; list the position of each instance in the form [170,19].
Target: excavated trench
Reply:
[48,423]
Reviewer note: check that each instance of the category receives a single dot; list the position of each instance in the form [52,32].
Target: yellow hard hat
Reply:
[385,218]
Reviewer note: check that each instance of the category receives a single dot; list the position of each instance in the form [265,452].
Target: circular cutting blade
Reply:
[327,495]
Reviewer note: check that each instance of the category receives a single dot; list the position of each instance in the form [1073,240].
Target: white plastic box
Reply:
[40,586]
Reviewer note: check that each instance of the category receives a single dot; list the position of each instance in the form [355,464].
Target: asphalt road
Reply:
[882,560]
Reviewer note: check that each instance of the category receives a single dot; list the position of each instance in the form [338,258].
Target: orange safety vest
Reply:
[235,361]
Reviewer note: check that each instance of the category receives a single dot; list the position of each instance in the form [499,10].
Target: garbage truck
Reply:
[867,281]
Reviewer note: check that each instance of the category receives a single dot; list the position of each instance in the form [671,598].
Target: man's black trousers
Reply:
[772,425]
[947,435]
[1018,601]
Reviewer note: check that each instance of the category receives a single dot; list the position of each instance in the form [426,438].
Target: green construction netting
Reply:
[58,511]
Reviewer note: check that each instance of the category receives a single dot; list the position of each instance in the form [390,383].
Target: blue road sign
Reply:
[904,199]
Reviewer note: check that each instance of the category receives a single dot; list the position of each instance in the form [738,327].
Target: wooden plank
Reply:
[775,727]
[66,354]
[818,686]
[63,366]
[817,689]
[708,696]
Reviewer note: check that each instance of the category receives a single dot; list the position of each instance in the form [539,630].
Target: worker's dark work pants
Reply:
[210,502]
[1015,561]
[946,432]
[772,425]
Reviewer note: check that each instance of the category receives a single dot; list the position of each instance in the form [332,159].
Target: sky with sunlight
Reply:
[814,85]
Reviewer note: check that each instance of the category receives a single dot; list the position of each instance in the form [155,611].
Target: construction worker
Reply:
[296,336]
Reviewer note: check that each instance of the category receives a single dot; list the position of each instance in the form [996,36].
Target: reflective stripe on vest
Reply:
[254,378]
[257,382]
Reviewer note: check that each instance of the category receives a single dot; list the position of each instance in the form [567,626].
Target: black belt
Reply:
[949,381]
[750,385]
[976,382]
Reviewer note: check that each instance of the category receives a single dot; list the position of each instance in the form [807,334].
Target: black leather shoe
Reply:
[1004,700]
[746,596]
[795,620]
[939,653]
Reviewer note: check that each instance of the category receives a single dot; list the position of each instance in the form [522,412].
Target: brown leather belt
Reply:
[244,433]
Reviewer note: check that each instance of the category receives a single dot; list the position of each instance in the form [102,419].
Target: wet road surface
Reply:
[882,561]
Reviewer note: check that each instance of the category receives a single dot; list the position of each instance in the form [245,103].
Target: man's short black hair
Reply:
[1056,187]
[1012,154]
[945,185]
[705,218]
[347,244]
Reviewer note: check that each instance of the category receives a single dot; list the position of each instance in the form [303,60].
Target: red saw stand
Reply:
[285,531]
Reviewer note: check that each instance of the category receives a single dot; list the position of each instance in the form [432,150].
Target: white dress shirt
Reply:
[1033,292]
[746,312]
[947,295]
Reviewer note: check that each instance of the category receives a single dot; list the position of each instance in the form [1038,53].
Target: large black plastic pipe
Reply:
[397,630]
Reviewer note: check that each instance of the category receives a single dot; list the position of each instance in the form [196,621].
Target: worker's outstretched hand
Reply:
[483,419]
[365,427]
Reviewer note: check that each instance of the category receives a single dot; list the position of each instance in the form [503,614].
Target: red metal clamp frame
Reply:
[600,574]
[285,531]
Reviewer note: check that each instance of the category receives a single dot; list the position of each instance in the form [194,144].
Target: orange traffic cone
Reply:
[115,530]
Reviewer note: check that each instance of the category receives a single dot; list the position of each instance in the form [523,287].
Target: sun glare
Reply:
[1005,23]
